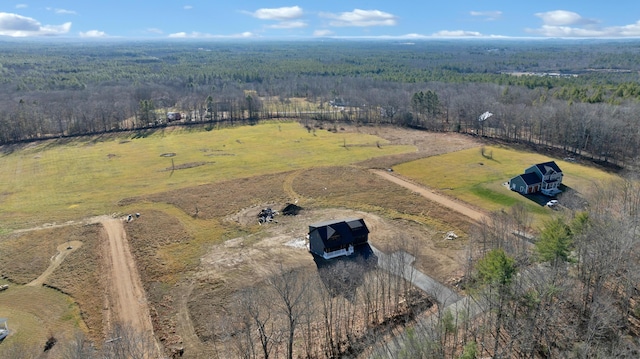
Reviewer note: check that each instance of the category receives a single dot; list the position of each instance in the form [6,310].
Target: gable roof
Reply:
[346,228]
[530,178]
[546,166]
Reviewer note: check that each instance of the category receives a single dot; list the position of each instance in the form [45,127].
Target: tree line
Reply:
[438,86]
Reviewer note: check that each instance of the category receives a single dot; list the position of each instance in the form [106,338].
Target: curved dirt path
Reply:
[127,299]
[63,251]
[457,206]
[193,346]
[287,185]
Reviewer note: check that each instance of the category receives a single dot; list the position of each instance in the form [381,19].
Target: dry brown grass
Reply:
[147,236]
[27,255]
[427,144]
[80,276]
[357,188]
[221,199]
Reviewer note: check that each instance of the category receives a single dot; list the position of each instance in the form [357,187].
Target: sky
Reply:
[298,19]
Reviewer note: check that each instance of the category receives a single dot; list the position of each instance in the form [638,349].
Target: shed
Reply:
[336,238]
[174,116]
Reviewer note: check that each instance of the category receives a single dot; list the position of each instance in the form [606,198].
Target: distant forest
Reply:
[582,96]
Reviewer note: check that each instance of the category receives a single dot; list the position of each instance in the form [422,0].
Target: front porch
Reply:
[338,253]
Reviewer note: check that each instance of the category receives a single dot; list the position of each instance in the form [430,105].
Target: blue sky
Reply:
[214,19]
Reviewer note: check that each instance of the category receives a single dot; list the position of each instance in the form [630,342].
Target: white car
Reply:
[552,203]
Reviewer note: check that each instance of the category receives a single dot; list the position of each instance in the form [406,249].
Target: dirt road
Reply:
[431,195]
[127,299]
[63,251]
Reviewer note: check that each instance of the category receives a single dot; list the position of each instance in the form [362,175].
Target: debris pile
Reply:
[291,209]
[450,235]
[266,215]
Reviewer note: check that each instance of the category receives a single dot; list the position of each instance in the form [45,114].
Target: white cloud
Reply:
[487,15]
[321,33]
[65,12]
[21,6]
[200,35]
[184,35]
[456,33]
[15,25]
[62,11]
[361,18]
[288,25]
[632,30]
[563,18]
[561,23]
[154,30]
[188,7]
[93,33]
[280,14]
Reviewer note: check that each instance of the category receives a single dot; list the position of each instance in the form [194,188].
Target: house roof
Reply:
[546,166]
[347,228]
[530,178]
[333,221]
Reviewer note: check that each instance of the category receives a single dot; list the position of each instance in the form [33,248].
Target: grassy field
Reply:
[161,174]
[35,314]
[60,180]
[479,180]
[193,187]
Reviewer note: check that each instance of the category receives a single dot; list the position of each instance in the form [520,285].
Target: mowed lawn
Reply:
[479,180]
[52,182]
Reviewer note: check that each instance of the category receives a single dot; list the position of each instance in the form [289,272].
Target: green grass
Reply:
[35,314]
[48,181]
[479,180]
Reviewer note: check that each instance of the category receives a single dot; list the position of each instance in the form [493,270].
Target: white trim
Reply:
[340,252]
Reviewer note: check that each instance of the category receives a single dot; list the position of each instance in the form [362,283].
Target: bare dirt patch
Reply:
[184,166]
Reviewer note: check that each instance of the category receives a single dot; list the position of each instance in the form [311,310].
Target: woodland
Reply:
[581,96]
[571,294]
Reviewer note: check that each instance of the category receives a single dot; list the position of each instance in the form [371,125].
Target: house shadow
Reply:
[342,276]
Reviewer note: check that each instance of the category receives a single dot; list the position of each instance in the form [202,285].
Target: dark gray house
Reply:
[543,177]
[336,238]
